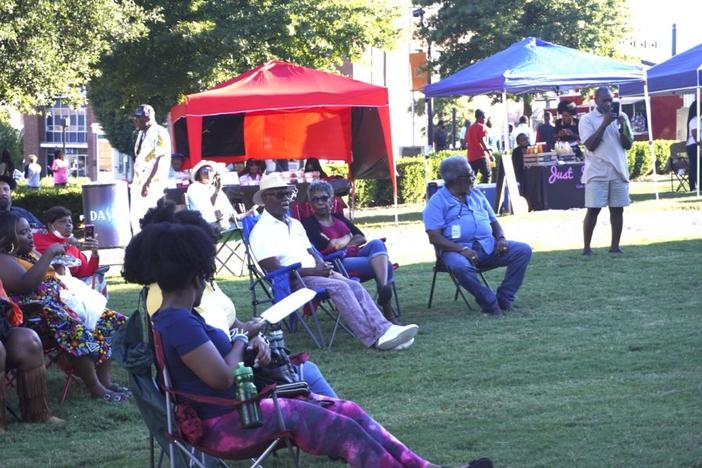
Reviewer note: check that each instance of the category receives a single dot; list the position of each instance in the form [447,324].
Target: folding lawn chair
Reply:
[679,167]
[195,453]
[229,243]
[133,349]
[440,267]
[276,285]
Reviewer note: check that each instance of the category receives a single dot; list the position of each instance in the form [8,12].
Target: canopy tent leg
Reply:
[647,100]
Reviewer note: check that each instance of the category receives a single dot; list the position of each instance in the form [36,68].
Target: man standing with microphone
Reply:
[152,153]
[606,134]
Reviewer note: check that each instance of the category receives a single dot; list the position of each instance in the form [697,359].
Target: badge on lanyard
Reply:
[456,231]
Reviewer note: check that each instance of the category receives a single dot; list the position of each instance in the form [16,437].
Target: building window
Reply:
[74,119]
[77,161]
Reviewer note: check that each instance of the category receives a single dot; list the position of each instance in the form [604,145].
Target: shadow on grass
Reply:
[389,217]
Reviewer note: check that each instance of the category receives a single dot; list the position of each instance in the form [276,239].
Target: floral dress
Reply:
[64,325]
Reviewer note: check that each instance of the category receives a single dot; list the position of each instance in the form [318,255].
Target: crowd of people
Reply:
[45,300]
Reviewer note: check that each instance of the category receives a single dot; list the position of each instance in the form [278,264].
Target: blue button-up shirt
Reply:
[462,221]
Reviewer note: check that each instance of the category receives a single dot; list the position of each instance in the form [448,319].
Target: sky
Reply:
[652,21]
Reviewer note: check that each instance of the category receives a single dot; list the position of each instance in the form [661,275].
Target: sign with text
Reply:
[563,189]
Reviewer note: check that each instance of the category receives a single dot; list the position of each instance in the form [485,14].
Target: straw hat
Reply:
[269,181]
[202,163]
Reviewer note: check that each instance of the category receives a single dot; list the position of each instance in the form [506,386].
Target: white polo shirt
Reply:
[287,241]
[608,161]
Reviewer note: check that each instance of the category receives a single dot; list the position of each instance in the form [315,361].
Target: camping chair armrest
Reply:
[224,402]
[339,254]
[282,270]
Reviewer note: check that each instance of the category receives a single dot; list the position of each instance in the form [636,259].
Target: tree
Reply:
[199,44]
[10,138]
[466,32]
[50,47]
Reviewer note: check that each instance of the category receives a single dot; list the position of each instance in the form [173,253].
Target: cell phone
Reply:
[90,231]
[615,108]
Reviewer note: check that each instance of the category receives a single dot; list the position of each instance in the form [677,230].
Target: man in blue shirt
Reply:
[7,186]
[463,228]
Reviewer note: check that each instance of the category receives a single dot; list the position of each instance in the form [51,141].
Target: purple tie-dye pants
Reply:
[320,426]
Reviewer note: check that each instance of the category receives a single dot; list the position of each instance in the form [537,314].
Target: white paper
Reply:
[287,306]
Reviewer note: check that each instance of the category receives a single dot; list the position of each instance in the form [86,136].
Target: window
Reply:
[75,122]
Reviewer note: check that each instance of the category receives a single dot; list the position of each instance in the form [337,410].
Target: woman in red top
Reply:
[59,230]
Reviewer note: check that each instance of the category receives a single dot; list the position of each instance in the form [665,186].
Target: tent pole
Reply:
[647,100]
[394,190]
[505,152]
[699,130]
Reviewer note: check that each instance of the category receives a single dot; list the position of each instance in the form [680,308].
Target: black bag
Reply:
[280,371]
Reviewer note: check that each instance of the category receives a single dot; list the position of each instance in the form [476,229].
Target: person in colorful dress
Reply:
[30,277]
[21,351]
[201,360]
[152,153]
[59,230]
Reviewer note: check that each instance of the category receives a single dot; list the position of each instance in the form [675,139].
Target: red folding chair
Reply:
[176,440]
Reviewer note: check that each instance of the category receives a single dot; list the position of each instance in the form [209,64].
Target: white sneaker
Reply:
[403,346]
[396,335]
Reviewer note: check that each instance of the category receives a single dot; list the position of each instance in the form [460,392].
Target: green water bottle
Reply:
[251,411]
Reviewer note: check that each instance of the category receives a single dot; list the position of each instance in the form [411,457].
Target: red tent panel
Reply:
[292,112]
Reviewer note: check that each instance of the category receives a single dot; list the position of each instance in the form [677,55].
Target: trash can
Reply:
[106,205]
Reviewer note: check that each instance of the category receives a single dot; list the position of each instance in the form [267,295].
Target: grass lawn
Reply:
[602,368]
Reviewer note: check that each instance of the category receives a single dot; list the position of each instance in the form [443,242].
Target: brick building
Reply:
[75,129]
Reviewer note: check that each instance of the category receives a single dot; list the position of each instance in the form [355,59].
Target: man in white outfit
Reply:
[152,152]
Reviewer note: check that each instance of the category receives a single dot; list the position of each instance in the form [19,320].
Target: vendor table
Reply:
[554,187]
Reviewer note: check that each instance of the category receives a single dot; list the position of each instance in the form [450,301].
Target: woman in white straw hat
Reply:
[205,194]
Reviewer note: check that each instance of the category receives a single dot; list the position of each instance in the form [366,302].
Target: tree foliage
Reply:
[468,31]
[50,47]
[200,43]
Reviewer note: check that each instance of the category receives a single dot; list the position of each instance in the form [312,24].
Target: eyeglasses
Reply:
[322,199]
[283,194]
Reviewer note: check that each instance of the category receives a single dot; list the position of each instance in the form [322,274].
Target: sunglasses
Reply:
[323,199]
[283,194]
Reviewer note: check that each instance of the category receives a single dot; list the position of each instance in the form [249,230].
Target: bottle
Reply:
[275,339]
[251,411]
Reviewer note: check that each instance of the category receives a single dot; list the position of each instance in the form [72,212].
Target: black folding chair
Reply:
[679,167]
[440,267]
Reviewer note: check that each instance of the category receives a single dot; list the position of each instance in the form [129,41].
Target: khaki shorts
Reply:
[612,193]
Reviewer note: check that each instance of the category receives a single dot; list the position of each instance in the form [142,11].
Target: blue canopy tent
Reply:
[533,65]
[679,74]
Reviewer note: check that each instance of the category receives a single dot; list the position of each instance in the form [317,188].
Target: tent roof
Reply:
[279,85]
[535,65]
[678,73]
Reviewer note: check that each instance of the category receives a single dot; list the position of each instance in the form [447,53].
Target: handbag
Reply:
[279,371]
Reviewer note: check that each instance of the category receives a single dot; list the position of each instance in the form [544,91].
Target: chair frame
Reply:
[440,267]
[678,158]
[188,450]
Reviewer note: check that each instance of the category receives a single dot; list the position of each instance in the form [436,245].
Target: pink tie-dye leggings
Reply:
[320,426]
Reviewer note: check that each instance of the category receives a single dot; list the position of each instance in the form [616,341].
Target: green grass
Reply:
[602,368]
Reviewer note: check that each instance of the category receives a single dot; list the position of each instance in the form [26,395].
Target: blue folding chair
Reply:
[276,285]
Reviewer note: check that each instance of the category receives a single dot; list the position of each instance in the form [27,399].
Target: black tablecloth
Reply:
[555,187]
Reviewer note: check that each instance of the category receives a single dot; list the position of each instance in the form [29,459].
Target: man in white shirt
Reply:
[606,136]
[278,240]
[152,152]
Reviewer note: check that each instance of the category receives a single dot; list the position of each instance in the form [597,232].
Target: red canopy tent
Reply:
[284,111]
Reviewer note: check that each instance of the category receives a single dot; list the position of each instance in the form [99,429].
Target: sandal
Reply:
[115,397]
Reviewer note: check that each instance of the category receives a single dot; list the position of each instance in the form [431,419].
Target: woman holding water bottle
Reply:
[203,360]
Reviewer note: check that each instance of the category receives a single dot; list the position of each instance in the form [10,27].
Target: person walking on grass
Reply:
[606,136]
